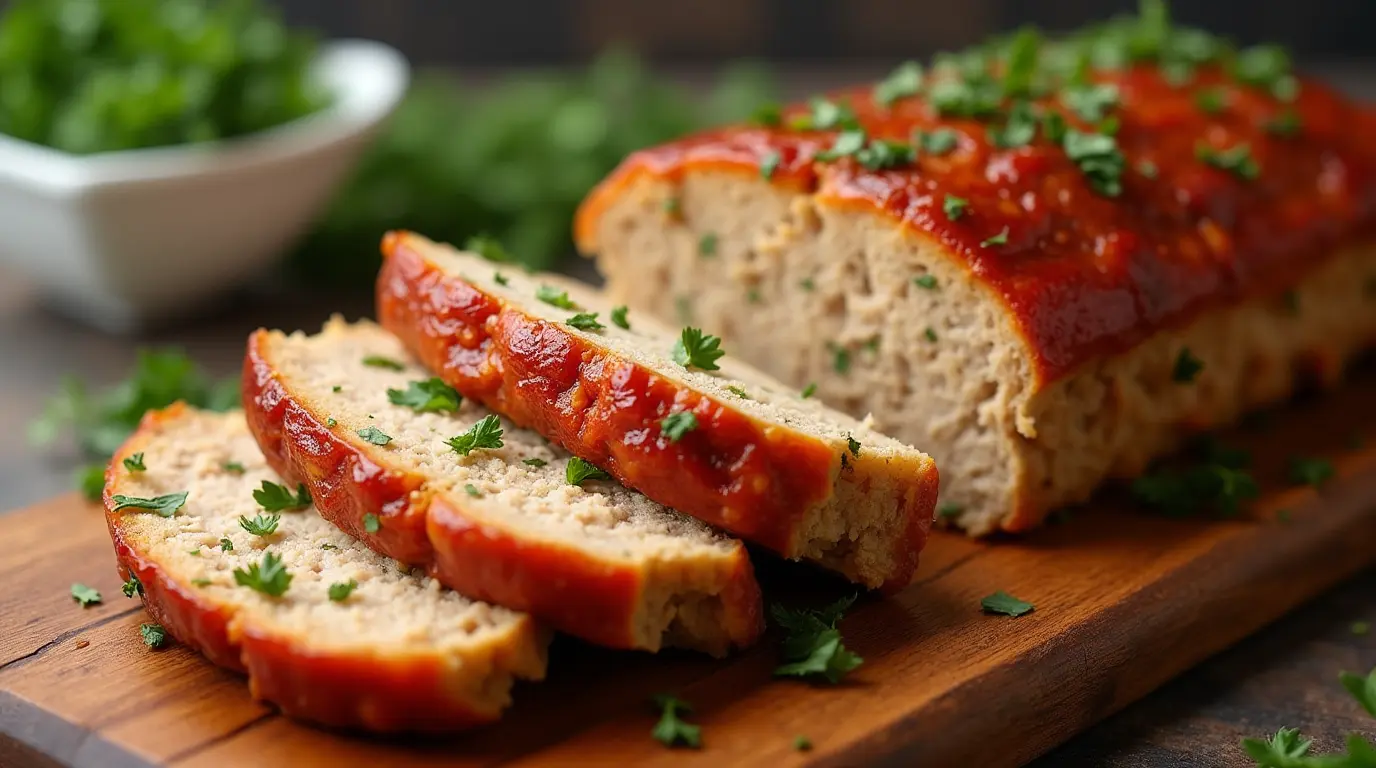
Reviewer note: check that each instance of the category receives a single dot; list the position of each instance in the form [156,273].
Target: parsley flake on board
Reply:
[1187,367]
[954,208]
[372,523]
[677,424]
[618,316]
[485,434]
[1288,749]
[1236,160]
[260,525]
[1004,603]
[374,435]
[1310,471]
[904,81]
[268,577]
[488,247]
[154,636]
[340,590]
[812,644]
[275,498]
[579,470]
[165,506]
[381,361]
[585,321]
[672,730]
[694,349]
[1216,480]
[132,586]
[555,297]
[85,596]
[1001,238]
[427,396]
[135,463]
[769,164]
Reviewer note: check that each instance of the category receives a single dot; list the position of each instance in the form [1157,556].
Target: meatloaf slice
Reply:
[714,438]
[378,443]
[397,653]
[1039,300]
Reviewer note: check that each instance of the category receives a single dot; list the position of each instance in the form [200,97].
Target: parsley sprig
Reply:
[812,646]
[427,396]
[259,525]
[1217,481]
[276,498]
[487,433]
[166,505]
[269,576]
[1288,749]
[672,730]
[694,349]
[579,470]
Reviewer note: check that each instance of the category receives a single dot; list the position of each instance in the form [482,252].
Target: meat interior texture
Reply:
[1033,327]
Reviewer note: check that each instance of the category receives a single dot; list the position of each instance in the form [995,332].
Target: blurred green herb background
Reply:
[512,159]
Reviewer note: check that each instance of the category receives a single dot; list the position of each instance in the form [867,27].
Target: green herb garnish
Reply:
[672,730]
[579,470]
[384,362]
[707,244]
[903,82]
[135,463]
[927,281]
[371,523]
[937,142]
[340,590]
[618,316]
[427,396]
[485,434]
[1187,367]
[697,350]
[132,586]
[677,424]
[85,596]
[1001,238]
[1310,471]
[534,462]
[1237,160]
[165,506]
[374,435]
[769,164]
[488,247]
[555,297]
[809,390]
[154,636]
[226,545]
[585,321]
[812,644]
[260,525]
[1090,101]
[268,577]
[1006,604]
[954,208]
[275,498]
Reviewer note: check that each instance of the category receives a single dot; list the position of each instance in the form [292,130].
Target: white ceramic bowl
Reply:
[126,239]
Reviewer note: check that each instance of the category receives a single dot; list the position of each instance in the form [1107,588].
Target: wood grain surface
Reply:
[1124,602]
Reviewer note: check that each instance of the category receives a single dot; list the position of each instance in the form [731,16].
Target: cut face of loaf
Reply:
[730,446]
[888,321]
[398,653]
[502,523]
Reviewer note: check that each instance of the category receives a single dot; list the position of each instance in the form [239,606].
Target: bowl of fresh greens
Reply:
[156,153]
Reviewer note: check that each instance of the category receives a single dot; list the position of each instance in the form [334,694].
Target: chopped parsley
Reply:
[802,743]
[840,358]
[1236,160]
[847,143]
[948,510]
[488,247]
[853,446]
[554,297]
[201,582]
[268,577]
[697,350]
[936,142]
[1210,101]
[501,279]
[426,396]
[132,586]
[1286,124]
[954,208]
[135,463]
[154,636]
[809,390]
[928,281]
[1187,367]
[1018,130]
[226,545]
[807,284]
[233,467]
[275,498]
[930,334]
[881,154]
[1266,67]
[1310,471]
[904,81]
[372,523]
[812,644]
[1216,481]
[973,97]
[330,422]
[1099,159]
[618,315]
[340,590]
[738,392]
[585,321]
[534,462]
[85,596]
[472,490]
[1000,238]
[165,506]
[1090,101]
[673,207]
[769,164]
[579,470]
[374,435]
[260,525]
[677,424]
[1288,749]
[1004,603]
[379,361]
[485,434]
[1148,169]
[768,115]
[707,244]
[672,730]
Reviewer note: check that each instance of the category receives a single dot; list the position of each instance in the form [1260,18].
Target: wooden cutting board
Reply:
[1124,600]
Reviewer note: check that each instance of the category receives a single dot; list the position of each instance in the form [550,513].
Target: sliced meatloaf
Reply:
[401,461]
[663,411]
[1044,276]
[351,639]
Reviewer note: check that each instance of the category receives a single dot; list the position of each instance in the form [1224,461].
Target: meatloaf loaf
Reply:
[1046,263]
[325,629]
[699,432]
[399,460]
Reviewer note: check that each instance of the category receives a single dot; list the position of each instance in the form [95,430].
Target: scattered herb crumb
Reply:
[275,498]
[226,545]
[1001,238]
[380,361]
[132,586]
[340,591]
[618,315]
[374,435]
[672,730]
[268,576]
[154,636]
[233,467]
[85,596]
[802,743]
[554,297]
[677,424]
[534,462]
[697,350]
[707,244]
[1003,603]
[472,490]
[579,470]
[925,281]
[372,523]
[809,390]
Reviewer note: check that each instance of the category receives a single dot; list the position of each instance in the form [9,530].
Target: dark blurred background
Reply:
[550,32]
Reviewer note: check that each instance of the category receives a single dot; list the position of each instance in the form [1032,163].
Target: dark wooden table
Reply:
[1285,676]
